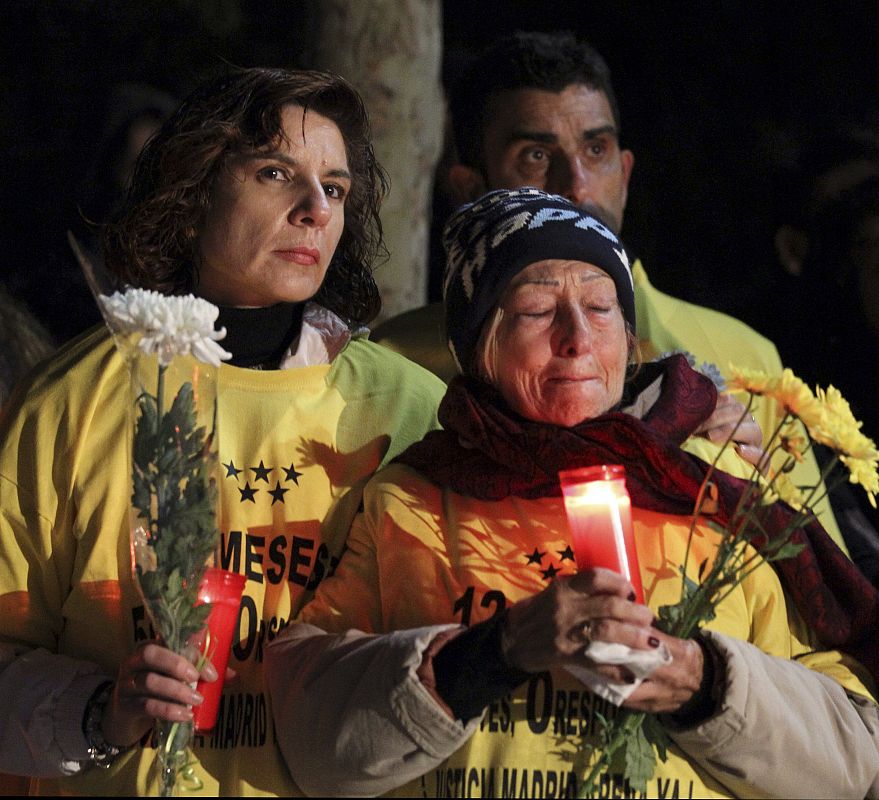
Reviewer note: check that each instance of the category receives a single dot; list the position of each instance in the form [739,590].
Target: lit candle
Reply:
[600,518]
[223,591]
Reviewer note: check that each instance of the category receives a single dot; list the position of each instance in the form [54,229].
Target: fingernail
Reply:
[653,641]
[192,675]
[210,672]
[197,699]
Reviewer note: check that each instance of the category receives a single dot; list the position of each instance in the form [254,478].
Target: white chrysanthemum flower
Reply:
[170,325]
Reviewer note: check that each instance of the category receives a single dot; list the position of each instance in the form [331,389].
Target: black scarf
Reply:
[259,337]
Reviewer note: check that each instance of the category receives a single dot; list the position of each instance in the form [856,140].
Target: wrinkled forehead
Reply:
[556,272]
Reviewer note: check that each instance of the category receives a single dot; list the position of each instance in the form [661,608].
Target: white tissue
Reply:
[641,663]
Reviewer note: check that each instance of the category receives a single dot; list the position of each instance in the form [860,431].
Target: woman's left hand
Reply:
[673,685]
[726,422]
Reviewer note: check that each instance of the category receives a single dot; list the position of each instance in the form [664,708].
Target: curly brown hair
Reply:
[152,241]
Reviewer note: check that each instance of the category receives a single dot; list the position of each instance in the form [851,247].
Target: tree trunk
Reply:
[391,51]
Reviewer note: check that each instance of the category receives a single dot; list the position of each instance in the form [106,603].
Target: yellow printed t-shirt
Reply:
[419,555]
[296,448]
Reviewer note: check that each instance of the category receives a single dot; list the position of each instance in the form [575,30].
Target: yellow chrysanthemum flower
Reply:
[793,442]
[789,492]
[863,473]
[796,398]
[838,428]
[754,381]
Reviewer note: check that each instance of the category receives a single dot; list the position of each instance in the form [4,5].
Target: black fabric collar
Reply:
[259,337]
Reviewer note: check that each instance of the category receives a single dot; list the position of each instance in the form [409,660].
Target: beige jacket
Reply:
[379,728]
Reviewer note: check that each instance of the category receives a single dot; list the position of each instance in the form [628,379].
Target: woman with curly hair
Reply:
[261,195]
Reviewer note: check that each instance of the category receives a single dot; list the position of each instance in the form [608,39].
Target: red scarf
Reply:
[488,452]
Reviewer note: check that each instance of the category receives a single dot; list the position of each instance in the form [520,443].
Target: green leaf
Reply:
[669,616]
[638,760]
[708,614]
[172,487]
[175,584]
[657,736]
[140,496]
[151,585]
[787,550]
[690,586]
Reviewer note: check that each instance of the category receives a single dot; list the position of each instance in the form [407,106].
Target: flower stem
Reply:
[160,396]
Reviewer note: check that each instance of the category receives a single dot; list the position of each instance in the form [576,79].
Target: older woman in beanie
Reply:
[439,657]
[261,195]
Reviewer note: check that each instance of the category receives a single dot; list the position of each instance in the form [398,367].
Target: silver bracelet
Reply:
[100,752]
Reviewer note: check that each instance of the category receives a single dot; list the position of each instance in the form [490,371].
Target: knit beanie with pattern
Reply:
[488,242]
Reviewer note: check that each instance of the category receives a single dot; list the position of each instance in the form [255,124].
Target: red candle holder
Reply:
[223,590]
[600,518]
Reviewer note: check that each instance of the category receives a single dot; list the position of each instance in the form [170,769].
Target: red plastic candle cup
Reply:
[223,590]
[600,518]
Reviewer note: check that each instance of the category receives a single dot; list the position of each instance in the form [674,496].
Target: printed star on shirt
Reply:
[536,557]
[292,474]
[247,493]
[278,493]
[231,470]
[549,573]
[567,554]
[262,472]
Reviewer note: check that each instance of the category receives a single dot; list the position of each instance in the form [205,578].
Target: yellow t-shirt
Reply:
[296,448]
[419,555]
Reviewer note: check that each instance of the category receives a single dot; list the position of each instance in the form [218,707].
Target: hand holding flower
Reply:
[732,421]
[673,685]
[634,738]
[152,683]
[171,348]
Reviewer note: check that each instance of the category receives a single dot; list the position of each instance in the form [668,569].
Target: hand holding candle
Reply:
[600,518]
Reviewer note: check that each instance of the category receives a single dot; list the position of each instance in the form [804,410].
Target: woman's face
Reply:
[276,216]
[561,346]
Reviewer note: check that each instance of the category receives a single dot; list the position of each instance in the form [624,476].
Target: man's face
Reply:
[562,142]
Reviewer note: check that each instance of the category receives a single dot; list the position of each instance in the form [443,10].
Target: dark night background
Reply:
[703,87]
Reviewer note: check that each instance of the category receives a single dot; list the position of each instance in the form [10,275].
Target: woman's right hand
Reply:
[553,627]
[153,683]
